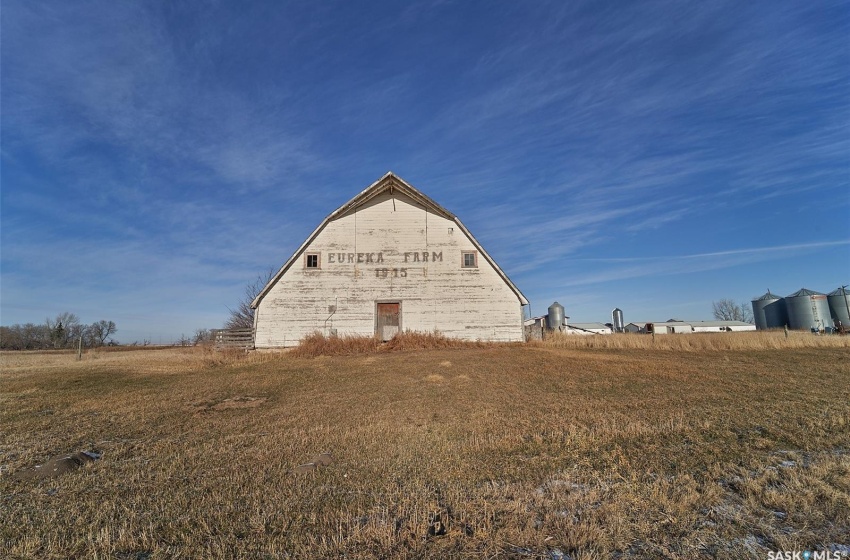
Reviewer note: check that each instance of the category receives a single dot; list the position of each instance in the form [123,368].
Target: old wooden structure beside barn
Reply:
[391,259]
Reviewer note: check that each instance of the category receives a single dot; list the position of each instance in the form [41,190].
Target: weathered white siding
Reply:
[389,249]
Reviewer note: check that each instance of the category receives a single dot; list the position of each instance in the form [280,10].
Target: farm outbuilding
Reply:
[722,326]
[588,328]
[687,327]
[390,259]
[635,327]
[541,322]
[670,327]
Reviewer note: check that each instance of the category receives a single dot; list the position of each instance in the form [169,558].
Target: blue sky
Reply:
[652,156]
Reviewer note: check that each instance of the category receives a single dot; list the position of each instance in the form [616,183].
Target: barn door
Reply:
[388,321]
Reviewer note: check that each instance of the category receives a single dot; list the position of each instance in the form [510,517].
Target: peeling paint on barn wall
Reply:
[395,246]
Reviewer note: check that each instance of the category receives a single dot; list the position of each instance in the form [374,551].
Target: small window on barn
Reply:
[469,259]
[312,260]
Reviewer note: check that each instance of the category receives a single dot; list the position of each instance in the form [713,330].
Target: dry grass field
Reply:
[718,446]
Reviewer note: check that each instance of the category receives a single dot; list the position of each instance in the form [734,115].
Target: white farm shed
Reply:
[539,322]
[686,327]
[722,326]
[391,259]
[588,328]
[670,327]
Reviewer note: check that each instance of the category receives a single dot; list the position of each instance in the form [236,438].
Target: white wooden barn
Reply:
[391,259]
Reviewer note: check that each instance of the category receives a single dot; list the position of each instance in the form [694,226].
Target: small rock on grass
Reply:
[319,461]
[323,460]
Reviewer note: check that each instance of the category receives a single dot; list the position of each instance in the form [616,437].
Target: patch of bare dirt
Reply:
[58,465]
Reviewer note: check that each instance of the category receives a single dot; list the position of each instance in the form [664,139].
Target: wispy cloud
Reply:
[636,267]
[782,250]
[94,88]
[167,146]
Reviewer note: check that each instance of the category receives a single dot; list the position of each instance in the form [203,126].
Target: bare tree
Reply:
[202,336]
[11,338]
[727,310]
[35,336]
[100,331]
[243,316]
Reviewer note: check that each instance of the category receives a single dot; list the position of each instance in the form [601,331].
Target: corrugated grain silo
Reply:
[839,301]
[555,318]
[617,318]
[807,309]
[769,312]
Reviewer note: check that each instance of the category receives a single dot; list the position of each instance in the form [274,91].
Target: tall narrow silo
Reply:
[838,301]
[617,318]
[769,312]
[807,309]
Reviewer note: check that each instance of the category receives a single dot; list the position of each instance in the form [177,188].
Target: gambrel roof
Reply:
[393,184]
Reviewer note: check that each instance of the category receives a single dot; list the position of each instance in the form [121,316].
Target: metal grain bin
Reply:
[555,319]
[769,312]
[617,320]
[807,309]
[838,301]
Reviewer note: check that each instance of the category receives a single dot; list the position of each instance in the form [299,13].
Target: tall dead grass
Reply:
[697,342]
[317,344]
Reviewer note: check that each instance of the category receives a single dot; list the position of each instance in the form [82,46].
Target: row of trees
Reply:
[63,331]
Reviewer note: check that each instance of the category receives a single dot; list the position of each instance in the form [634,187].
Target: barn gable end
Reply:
[390,259]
